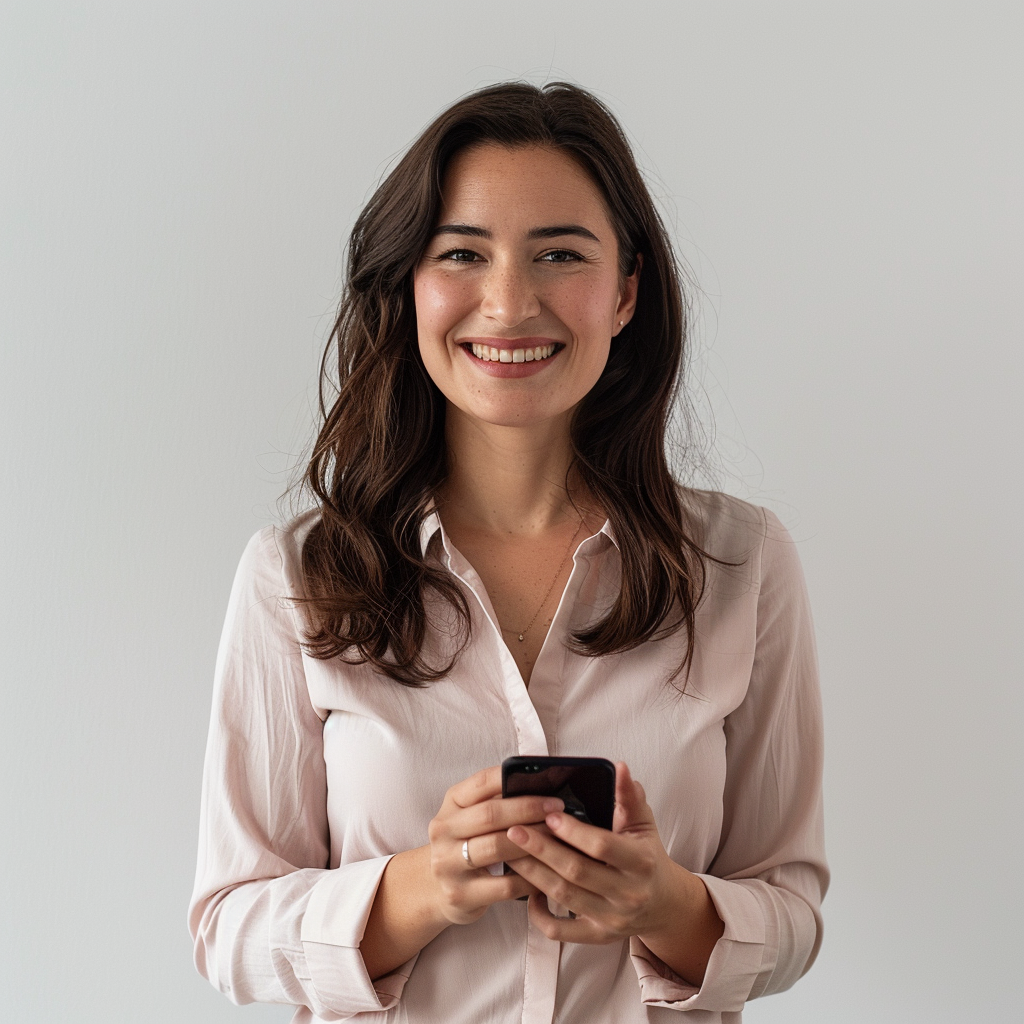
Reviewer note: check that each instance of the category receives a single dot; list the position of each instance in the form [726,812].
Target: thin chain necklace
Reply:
[558,572]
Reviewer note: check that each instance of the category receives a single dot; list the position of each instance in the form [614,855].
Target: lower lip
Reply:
[500,369]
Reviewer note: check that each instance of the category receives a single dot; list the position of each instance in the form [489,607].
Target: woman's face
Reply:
[519,292]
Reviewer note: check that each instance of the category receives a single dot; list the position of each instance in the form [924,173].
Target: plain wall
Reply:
[176,185]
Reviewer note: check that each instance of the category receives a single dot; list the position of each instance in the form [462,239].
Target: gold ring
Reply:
[465,854]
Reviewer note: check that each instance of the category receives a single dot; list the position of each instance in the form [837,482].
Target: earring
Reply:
[620,323]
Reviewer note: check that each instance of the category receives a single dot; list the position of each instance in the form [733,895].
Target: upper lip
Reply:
[510,343]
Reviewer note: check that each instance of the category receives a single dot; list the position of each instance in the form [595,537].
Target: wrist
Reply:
[680,893]
[429,902]
[407,892]
[686,932]
[401,920]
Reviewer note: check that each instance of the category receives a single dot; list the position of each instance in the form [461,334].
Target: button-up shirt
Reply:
[318,771]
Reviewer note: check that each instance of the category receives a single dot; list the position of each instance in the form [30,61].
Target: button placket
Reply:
[540,980]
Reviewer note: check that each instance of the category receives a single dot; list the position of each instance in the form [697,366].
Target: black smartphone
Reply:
[586,785]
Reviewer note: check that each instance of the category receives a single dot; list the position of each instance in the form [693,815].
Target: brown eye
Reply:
[562,256]
[458,256]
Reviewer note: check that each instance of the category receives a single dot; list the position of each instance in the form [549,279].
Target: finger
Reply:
[618,852]
[492,848]
[481,786]
[498,815]
[553,883]
[564,929]
[485,889]
[631,808]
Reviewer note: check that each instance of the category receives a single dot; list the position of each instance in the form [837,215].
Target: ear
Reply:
[627,296]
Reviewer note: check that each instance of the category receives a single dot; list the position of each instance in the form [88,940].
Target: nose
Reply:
[509,296]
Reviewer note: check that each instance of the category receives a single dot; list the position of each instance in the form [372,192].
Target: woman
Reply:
[500,562]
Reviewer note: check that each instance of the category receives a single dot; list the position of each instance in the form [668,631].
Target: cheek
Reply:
[439,303]
[591,303]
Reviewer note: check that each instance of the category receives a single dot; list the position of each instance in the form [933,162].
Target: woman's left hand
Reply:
[617,883]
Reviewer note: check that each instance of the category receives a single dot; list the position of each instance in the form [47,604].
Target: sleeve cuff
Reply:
[734,964]
[332,928]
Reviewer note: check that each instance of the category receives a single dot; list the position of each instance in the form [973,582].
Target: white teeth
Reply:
[490,354]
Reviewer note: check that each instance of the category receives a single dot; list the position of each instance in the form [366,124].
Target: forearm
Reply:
[404,917]
[693,927]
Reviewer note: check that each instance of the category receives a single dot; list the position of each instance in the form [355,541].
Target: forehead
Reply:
[489,185]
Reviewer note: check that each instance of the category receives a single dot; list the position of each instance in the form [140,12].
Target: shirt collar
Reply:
[429,526]
[432,525]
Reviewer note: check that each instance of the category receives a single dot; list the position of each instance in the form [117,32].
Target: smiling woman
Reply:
[500,562]
[499,281]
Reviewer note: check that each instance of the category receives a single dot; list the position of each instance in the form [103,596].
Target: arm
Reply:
[769,875]
[750,925]
[625,885]
[425,890]
[271,922]
[690,928]
[404,916]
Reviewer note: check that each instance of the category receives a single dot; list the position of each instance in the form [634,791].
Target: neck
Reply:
[507,480]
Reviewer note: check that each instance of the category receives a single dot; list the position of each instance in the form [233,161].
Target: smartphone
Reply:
[586,785]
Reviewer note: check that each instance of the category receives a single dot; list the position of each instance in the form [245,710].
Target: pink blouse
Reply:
[317,772]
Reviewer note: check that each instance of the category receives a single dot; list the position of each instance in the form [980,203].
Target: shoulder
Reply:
[289,539]
[737,531]
[272,559]
[725,526]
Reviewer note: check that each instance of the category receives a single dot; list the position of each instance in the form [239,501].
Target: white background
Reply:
[177,181]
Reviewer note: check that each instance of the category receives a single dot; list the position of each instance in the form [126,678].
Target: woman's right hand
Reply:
[474,812]
[425,890]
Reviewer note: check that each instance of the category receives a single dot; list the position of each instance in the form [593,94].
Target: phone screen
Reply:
[586,785]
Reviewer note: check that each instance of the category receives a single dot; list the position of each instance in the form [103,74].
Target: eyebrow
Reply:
[555,231]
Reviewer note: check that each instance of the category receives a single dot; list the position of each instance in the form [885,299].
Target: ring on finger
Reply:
[465,854]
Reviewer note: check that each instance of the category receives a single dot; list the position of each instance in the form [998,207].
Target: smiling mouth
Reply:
[490,354]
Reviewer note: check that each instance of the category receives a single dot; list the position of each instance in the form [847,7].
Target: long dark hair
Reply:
[380,457]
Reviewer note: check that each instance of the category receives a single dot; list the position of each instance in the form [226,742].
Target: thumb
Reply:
[632,811]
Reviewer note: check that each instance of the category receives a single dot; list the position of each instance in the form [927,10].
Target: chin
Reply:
[517,416]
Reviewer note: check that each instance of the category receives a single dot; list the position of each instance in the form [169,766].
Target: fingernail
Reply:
[553,805]
[518,835]
[554,820]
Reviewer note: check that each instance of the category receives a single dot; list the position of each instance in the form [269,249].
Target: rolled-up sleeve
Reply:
[769,875]
[270,920]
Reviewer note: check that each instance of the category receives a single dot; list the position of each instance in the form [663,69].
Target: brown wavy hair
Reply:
[380,457]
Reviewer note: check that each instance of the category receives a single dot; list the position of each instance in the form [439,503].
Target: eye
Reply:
[561,256]
[458,256]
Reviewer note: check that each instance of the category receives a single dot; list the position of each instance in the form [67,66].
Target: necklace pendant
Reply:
[521,638]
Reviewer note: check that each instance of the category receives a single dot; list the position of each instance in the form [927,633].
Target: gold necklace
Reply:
[544,600]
